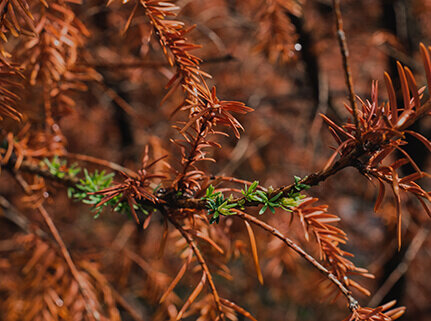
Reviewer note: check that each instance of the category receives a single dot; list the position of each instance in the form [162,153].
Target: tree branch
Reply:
[346,160]
[152,64]
[353,303]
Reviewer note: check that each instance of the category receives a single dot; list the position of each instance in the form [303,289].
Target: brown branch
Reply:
[190,158]
[202,262]
[68,180]
[193,203]
[350,159]
[353,303]
[101,162]
[313,179]
[347,160]
[31,168]
[71,181]
[152,64]
[345,54]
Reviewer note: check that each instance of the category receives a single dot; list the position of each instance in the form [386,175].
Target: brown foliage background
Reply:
[121,86]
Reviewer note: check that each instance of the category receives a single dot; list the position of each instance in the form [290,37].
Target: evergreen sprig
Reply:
[295,192]
[90,184]
[59,168]
[86,192]
[217,204]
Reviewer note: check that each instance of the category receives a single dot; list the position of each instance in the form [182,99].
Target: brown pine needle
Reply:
[209,241]
[177,279]
[237,308]
[254,251]
[192,296]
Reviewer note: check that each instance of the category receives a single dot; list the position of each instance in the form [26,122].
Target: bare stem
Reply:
[152,64]
[345,54]
[353,303]
[102,162]
[402,268]
[191,157]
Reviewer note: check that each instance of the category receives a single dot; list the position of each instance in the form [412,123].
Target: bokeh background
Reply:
[280,57]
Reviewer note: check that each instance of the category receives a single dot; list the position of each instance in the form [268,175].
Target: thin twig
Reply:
[89,303]
[345,54]
[28,167]
[191,157]
[102,162]
[237,308]
[353,303]
[402,268]
[202,262]
[115,97]
[68,180]
[312,179]
[152,64]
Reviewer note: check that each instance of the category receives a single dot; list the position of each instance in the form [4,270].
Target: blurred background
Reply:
[280,57]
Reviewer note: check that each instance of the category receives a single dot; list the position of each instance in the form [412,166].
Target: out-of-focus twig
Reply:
[102,162]
[345,54]
[153,64]
[112,94]
[402,268]
[135,315]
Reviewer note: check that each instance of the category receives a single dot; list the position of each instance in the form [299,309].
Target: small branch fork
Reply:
[193,203]
[345,54]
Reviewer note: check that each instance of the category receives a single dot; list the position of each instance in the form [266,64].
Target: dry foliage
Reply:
[83,88]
